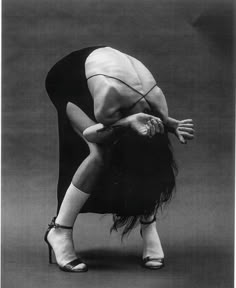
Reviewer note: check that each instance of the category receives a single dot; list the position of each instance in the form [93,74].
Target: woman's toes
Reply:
[80,267]
[153,263]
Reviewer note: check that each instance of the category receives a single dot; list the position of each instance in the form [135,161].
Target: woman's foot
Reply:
[61,241]
[153,255]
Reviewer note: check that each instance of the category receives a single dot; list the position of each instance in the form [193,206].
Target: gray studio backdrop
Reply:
[187,44]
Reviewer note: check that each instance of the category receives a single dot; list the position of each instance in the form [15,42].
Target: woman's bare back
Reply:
[116,81]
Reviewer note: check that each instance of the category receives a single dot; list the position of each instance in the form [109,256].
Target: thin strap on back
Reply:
[143,95]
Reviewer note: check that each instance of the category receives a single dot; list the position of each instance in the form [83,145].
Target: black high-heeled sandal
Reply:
[150,258]
[69,266]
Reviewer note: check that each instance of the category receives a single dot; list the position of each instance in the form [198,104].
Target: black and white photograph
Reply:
[118,144]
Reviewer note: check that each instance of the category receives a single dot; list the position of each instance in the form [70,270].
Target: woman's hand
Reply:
[184,130]
[141,123]
[146,125]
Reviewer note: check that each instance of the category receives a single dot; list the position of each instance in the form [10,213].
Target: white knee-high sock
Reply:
[71,205]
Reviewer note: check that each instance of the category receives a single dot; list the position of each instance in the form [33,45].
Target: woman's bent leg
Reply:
[87,174]
[77,193]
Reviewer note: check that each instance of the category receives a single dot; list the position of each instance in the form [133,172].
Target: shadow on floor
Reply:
[186,266]
[111,259]
[201,265]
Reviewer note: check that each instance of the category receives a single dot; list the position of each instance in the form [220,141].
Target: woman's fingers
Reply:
[186,135]
[181,139]
[186,129]
[187,121]
[147,133]
[156,126]
[185,125]
[152,129]
[157,123]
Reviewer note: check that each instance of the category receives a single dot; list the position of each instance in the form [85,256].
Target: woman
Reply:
[113,123]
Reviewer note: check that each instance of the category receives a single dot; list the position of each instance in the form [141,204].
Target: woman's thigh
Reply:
[80,121]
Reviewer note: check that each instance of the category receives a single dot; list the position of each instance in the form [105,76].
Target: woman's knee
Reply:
[98,155]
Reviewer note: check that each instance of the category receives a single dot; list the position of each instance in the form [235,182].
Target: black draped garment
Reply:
[140,176]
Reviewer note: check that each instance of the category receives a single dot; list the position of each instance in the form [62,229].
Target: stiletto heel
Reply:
[69,266]
[149,258]
[50,254]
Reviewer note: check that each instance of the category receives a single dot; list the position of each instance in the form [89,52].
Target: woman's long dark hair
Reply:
[143,171]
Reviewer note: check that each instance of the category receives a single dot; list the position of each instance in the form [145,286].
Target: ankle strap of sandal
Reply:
[148,222]
[53,224]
